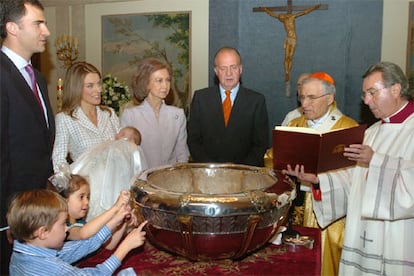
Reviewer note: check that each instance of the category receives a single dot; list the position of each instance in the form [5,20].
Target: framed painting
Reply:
[173,31]
[410,44]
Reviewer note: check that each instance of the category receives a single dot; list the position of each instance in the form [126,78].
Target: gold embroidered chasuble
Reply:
[331,236]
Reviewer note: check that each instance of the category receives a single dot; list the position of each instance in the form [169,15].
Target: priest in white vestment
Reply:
[377,195]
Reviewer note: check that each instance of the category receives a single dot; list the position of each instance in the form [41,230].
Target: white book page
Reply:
[297,129]
[304,129]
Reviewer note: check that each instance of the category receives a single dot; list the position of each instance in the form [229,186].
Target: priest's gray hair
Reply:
[391,74]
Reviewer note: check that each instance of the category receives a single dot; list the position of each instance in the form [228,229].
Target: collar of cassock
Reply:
[401,115]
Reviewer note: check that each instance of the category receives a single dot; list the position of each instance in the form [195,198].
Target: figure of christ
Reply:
[288,20]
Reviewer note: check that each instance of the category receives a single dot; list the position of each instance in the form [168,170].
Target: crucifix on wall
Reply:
[288,20]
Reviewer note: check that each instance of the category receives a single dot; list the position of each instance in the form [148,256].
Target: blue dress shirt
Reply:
[32,260]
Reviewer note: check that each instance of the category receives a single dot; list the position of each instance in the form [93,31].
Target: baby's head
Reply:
[36,211]
[129,133]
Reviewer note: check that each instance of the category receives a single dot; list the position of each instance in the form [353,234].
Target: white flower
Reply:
[114,93]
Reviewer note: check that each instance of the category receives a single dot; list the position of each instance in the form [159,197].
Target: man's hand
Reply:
[359,153]
[300,174]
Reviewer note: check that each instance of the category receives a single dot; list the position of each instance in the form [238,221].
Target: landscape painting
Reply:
[128,38]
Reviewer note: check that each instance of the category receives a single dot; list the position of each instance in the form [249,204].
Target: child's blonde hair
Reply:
[31,210]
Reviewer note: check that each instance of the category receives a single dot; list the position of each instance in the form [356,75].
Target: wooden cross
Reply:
[288,20]
[289,7]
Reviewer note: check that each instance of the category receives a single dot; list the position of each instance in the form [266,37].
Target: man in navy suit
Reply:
[27,124]
[244,139]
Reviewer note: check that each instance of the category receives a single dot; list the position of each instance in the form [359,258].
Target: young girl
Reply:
[75,189]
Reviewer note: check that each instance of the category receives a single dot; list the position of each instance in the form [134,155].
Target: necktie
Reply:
[227,107]
[29,70]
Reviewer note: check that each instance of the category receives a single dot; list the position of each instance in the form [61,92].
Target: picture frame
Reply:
[410,44]
[198,29]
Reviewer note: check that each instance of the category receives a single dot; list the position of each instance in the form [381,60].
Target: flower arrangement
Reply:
[114,93]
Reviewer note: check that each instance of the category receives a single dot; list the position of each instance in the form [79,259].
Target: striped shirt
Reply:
[32,260]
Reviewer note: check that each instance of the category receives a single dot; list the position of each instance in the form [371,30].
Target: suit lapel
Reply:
[239,102]
[104,120]
[43,90]
[216,102]
[24,89]
[85,122]
[237,108]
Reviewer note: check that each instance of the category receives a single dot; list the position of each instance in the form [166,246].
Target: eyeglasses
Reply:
[371,92]
[302,98]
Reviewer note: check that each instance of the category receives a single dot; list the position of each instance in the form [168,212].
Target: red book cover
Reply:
[318,152]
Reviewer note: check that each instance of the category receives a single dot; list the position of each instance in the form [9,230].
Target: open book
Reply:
[318,152]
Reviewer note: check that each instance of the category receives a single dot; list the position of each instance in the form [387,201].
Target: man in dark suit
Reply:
[27,124]
[245,137]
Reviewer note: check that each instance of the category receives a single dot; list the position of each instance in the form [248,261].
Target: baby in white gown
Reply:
[110,168]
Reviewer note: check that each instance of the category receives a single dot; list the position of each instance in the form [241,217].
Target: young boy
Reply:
[37,221]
